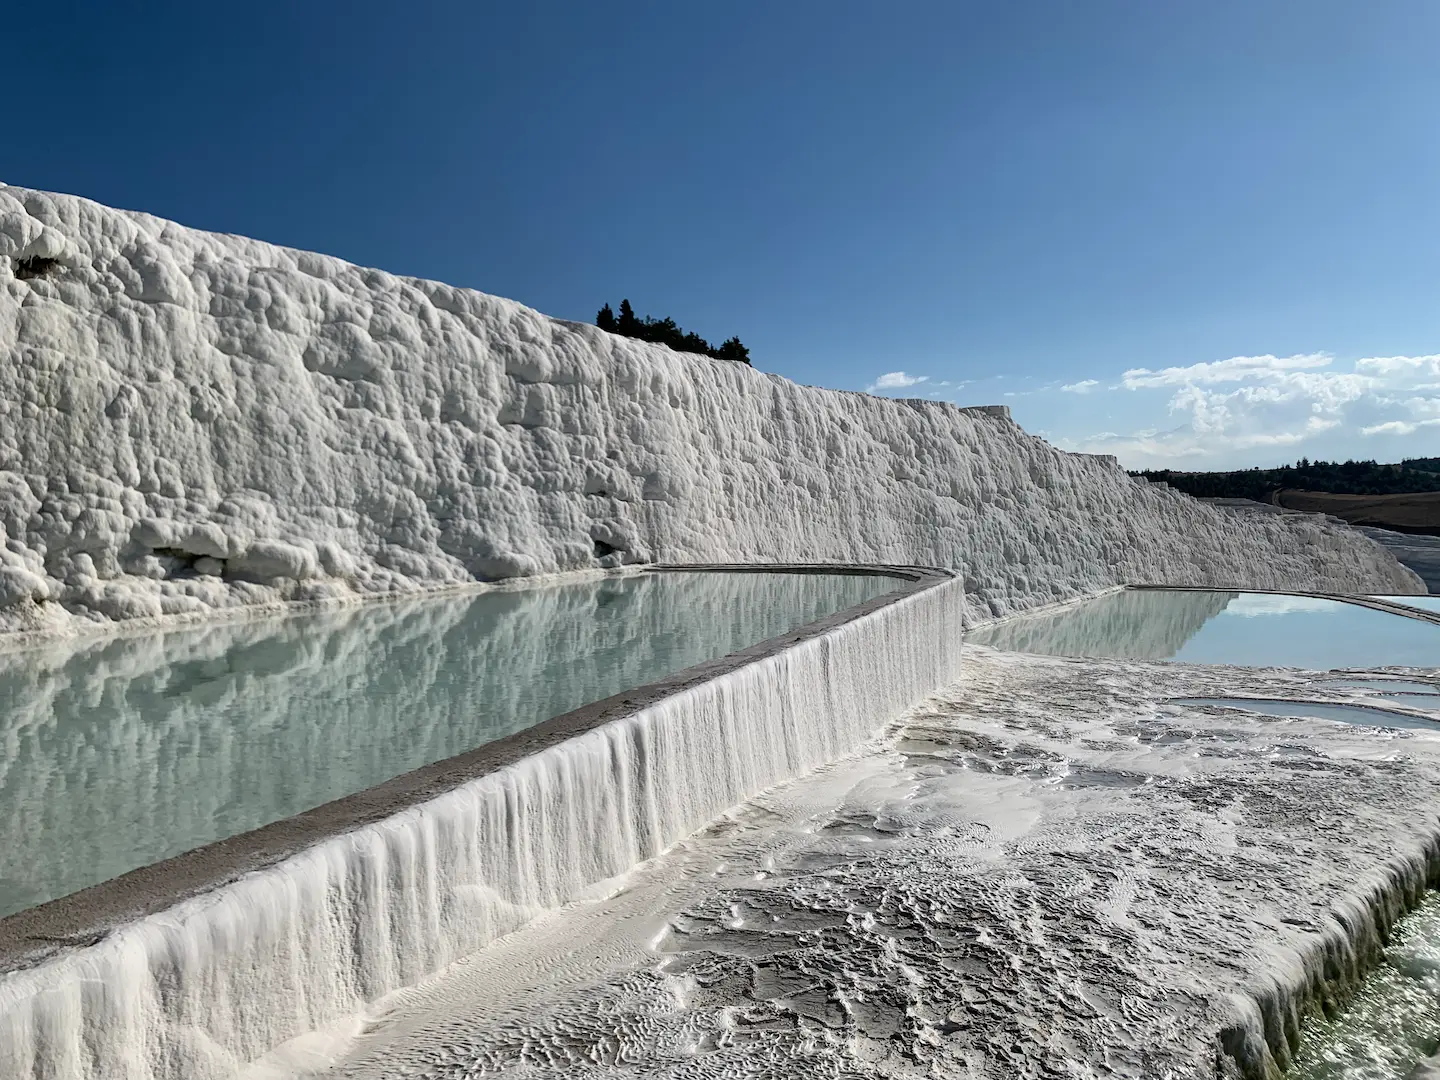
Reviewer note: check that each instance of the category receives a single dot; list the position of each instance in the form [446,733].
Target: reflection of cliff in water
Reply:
[1138,625]
[189,735]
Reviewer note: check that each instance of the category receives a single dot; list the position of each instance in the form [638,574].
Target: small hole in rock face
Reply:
[602,549]
[34,267]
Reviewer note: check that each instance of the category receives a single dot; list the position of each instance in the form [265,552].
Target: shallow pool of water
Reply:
[1202,627]
[1393,1024]
[1388,687]
[121,751]
[1425,702]
[1319,710]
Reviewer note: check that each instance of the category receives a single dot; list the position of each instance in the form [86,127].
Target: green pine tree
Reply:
[731,349]
[628,324]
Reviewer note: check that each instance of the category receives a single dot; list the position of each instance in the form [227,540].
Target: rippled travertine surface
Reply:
[121,751]
[1263,630]
[1043,871]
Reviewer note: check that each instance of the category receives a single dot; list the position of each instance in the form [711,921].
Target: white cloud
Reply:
[1417,366]
[1397,427]
[1390,427]
[895,380]
[1424,406]
[1236,369]
[1084,386]
[1279,438]
[1141,448]
[1226,410]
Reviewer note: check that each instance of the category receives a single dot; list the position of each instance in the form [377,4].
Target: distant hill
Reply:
[1409,512]
[1404,497]
[1408,477]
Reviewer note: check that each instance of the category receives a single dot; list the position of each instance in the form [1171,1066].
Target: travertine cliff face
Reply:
[191,421]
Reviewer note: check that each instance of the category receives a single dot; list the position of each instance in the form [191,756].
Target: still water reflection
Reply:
[121,751]
[1253,629]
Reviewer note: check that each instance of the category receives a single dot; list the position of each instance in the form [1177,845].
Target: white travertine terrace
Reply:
[211,981]
[192,422]
[1048,869]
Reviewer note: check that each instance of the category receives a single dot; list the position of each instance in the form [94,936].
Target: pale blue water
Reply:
[1251,629]
[120,751]
[1429,702]
[1387,687]
[1318,710]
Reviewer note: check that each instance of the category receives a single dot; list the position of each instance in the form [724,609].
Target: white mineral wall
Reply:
[191,421]
[198,990]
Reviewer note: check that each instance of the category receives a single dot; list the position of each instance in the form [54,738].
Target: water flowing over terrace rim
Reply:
[83,918]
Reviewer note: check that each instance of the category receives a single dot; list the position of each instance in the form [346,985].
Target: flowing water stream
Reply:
[1391,1031]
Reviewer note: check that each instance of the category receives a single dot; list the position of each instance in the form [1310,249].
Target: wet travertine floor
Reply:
[1044,871]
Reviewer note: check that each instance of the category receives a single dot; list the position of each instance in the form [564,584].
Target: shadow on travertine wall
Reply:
[1416,551]
[1142,625]
[118,752]
[1419,553]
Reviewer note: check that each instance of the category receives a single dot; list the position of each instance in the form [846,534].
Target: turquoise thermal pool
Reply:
[1388,687]
[1204,627]
[120,751]
[1321,710]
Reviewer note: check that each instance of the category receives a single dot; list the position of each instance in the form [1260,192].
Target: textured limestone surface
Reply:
[191,421]
[1045,870]
[191,968]
[1419,553]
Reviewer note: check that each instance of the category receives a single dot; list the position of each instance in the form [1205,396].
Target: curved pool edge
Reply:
[1358,599]
[82,917]
[459,852]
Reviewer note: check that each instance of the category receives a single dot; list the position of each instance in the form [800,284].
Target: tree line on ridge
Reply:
[666,332]
[1411,476]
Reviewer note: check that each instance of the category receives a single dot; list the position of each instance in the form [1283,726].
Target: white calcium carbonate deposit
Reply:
[1047,869]
[190,421]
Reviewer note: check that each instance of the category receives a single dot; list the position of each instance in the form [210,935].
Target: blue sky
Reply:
[1237,203]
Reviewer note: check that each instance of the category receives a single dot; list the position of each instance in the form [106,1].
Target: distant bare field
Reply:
[1415,513]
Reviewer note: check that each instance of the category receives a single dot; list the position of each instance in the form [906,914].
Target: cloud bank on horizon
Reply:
[899,380]
[1232,413]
